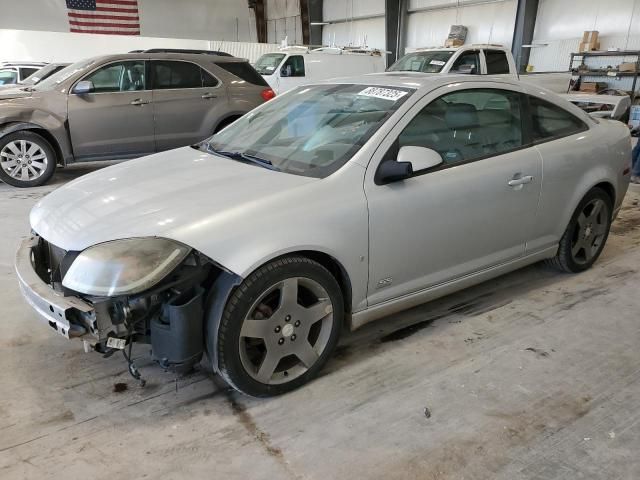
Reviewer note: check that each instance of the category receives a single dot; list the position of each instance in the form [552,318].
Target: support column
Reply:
[523,33]
[395,19]
[260,9]
[314,9]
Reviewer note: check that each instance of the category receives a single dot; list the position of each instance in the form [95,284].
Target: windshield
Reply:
[8,76]
[59,77]
[312,130]
[41,74]
[425,62]
[268,63]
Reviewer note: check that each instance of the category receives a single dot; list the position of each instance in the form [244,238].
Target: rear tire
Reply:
[586,234]
[26,159]
[279,327]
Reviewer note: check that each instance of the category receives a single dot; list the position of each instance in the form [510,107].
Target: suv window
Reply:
[497,62]
[118,77]
[468,124]
[467,62]
[293,67]
[167,74]
[550,121]
[243,71]
[208,80]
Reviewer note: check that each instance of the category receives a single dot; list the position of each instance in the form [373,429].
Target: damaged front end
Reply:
[117,293]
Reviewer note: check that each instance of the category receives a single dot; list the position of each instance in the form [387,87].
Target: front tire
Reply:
[586,234]
[279,327]
[26,159]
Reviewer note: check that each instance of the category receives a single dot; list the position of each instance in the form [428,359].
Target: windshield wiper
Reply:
[242,156]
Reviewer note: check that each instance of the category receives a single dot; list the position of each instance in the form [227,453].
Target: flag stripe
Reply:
[104,32]
[104,24]
[80,17]
[124,3]
[113,15]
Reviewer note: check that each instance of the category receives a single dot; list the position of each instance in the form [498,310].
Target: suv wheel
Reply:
[279,327]
[26,159]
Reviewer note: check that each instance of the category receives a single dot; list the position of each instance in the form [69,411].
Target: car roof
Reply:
[419,80]
[194,57]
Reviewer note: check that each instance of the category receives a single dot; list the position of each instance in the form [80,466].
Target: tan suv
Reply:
[121,106]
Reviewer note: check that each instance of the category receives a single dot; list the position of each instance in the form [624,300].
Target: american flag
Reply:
[112,17]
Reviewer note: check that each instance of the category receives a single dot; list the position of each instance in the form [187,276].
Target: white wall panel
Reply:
[29,45]
[284,21]
[487,23]
[560,25]
[191,19]
[341,9]
[353,33]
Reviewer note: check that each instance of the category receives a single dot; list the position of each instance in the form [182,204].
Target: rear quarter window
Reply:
[550,121]
[243,71]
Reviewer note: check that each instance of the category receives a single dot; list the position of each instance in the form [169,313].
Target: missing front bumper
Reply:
[69,316]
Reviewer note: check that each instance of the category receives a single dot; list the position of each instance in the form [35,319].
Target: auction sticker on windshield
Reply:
[384,93]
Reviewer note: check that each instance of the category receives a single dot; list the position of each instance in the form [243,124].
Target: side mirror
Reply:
[420,158]
[392,171]
[82,87]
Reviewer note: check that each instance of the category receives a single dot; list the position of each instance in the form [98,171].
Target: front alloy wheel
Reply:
[26,159]
[279,327]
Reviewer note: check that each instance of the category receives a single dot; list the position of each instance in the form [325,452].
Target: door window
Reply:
[170,74]
[118,77]
[497,63]
[25,72]
[293,67]
[208,80]
[550,121]
[8,76]
[467,125]
[467,62]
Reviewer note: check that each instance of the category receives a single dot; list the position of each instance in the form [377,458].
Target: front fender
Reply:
[57,136]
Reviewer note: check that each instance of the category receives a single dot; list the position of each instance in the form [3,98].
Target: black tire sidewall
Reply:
[42,143]
[228,335]
[595,193]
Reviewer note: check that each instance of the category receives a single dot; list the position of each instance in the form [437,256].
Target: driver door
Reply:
[474,211]
[115,119]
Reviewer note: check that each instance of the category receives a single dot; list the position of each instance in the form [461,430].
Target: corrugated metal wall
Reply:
[560,25]
[428,21]
[283,20]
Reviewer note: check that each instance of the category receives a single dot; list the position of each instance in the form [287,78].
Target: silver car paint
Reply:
[242,216]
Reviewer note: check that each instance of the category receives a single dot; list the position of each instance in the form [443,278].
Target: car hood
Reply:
[8,92]
[181,194]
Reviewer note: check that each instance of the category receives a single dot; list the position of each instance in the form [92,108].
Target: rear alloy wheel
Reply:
[279,327]
[26,159]
[584,239]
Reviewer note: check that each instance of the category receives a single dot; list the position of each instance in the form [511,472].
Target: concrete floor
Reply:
[535,375]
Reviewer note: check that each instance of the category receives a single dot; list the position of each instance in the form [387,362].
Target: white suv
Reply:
[16,72]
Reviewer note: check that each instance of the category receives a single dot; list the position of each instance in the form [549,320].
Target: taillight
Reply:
[267,94]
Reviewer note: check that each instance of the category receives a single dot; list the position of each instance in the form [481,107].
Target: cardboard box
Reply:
[453,42]
[592,87]
[627,67]
[588,47]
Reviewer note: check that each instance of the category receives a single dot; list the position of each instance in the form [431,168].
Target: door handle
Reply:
[207,96]
[520,181]
[139,101]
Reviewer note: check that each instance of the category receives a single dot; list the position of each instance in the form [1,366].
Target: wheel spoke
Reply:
[289,293]
[582,219]
[255,328]
[599,229]
[597,207]
[14,148]
[306,353]
[318,311]
[575,249]
[268,366]
[23,147]
[40,156]
[38,165]
[33,149]
[9,163]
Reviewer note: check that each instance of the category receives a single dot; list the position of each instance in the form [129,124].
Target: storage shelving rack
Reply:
[611,73]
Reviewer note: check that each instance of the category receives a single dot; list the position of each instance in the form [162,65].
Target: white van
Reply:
[293,66]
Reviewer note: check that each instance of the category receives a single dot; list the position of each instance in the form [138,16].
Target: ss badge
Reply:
[385,282]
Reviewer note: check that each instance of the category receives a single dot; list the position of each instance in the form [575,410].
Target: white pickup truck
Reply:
[485,59]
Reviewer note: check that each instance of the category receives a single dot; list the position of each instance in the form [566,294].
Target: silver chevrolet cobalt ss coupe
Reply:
[328,207]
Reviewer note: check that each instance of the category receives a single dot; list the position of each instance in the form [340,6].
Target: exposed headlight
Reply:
[123,267]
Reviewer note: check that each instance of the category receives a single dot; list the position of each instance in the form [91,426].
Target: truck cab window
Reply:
[293,66]
[497,63]
[467,62]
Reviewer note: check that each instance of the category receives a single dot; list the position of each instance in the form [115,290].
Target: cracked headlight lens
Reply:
[124,267]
